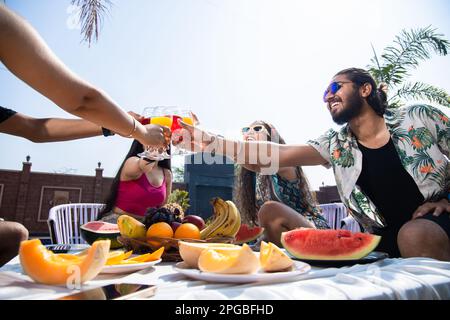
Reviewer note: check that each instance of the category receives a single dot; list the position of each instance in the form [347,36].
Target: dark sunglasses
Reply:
[333,88]
[255,128]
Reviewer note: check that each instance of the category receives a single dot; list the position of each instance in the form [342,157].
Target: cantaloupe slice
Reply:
[190,251]
[272,259]
[116,257]
[155,255]
[45,267]
[243,261]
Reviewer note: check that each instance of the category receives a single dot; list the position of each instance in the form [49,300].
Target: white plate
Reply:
[260,276]
[128,268]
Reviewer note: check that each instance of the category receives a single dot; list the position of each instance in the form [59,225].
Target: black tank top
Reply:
[392,190]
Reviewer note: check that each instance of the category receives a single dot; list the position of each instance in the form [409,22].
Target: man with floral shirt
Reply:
[391,166]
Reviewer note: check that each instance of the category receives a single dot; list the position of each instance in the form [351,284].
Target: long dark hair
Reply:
[378,97]
[244,186]
[136,148]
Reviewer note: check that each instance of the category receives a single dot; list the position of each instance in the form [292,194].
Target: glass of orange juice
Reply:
[160,116]
[166,116]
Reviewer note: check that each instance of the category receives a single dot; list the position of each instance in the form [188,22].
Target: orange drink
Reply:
[188,120]
[162,121]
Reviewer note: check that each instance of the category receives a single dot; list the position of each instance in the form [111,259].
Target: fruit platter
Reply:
[166,226]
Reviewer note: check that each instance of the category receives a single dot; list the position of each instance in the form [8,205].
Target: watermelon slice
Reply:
[247,234]
[314,244]
[100,230]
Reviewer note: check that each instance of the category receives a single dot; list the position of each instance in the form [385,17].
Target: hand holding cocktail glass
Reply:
[167,118]
[191,138]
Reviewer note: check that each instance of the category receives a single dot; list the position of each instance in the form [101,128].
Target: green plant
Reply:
[178,174]
[396,62]
[181,197]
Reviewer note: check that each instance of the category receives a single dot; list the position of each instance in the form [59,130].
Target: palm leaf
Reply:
[91,17]
[422,91]
[409,49]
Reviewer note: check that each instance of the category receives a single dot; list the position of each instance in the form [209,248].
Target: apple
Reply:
[198,221]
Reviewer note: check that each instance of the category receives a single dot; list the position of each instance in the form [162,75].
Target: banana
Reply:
[227,228]
[237,225]
[220,217]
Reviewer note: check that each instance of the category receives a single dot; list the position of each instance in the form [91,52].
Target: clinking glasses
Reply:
[333,88]
[257,128]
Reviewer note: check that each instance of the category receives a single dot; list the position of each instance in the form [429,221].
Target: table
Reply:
[413,278]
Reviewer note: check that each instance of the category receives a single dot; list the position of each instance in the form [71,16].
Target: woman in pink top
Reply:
[139,184]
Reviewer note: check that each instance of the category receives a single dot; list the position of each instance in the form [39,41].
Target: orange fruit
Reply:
[187,231]
[160,230]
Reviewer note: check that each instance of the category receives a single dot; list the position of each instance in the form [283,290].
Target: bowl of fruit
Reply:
[167,225]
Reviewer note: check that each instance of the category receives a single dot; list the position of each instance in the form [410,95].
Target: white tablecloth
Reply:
[414,278]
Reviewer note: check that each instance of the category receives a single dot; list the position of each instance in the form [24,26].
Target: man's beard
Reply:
[351,110]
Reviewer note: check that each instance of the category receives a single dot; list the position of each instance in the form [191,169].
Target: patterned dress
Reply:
[421,135]
[276,188]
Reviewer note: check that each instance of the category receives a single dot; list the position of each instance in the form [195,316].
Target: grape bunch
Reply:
[169,213]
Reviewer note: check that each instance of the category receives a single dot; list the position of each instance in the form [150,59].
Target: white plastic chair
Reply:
[64,221]
[334,213]
[349,223]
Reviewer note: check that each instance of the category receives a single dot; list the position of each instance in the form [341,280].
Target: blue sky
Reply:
[230,61]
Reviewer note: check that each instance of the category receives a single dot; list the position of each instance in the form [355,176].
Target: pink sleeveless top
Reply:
[136,196]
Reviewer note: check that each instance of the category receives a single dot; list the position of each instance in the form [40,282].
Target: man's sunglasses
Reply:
[333,88]
[257,128]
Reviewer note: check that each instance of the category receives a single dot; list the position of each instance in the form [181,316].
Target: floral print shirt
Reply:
[421,135]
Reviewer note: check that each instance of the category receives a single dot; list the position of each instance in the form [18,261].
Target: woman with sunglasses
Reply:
[277,202]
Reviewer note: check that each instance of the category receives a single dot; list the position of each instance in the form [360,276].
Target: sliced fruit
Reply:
[100,230]
[130,227]
[315,244]
[115,257]
[243,261]
[190,251]
[156,255]
[247,234]
[45,267]
[272,259]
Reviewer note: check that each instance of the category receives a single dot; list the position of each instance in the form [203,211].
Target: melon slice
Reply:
[247,234]
[115,257]
[100,230]
[272,259]
[45,267]
[314,244]
[243,261]
[190,251]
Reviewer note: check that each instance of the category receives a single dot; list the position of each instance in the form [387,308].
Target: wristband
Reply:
[107,132]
